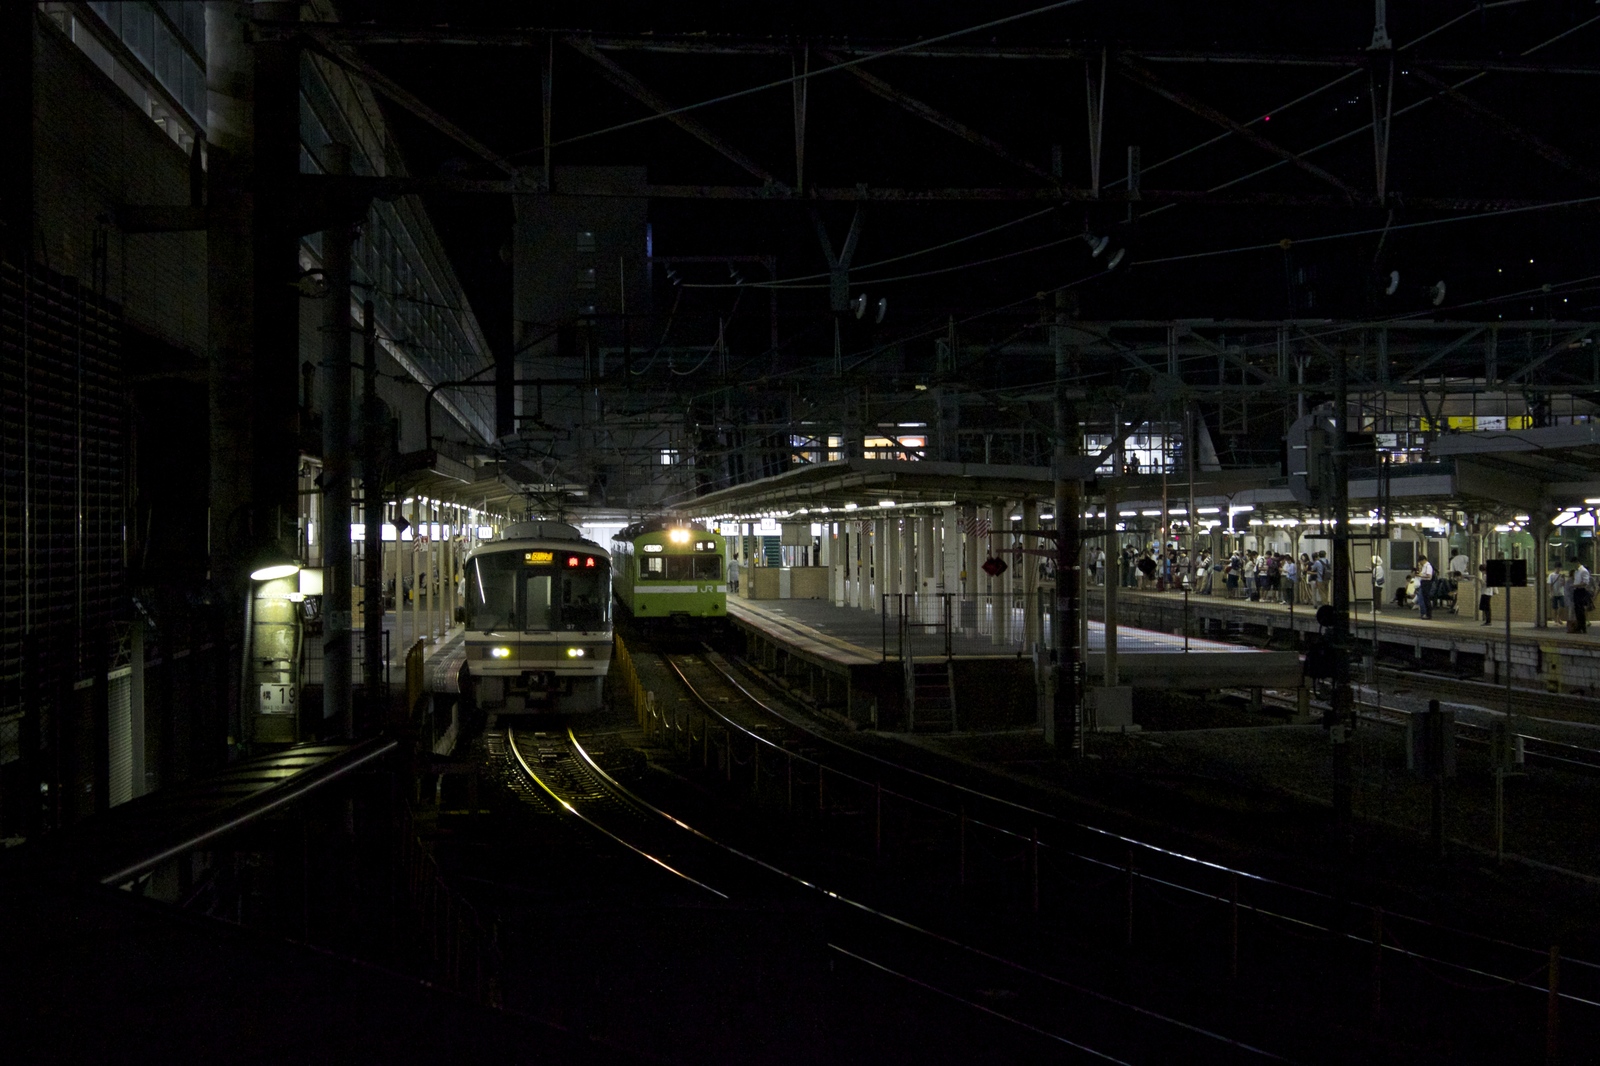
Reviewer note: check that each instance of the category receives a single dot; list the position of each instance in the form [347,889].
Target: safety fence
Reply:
[446,939]
[623,678]
[928,624]
[1396,970]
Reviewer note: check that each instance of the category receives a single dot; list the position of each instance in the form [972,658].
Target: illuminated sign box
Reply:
[539,558]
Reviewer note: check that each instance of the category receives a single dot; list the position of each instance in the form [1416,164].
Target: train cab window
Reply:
[492,592]
[585,604]
[693,567]
[652,567]
[505,592]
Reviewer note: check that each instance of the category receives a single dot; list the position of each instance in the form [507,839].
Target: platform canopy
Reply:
[853,485]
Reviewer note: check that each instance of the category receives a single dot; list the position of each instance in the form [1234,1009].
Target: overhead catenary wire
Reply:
[809,74]
[801,282]
[1368,231]
[1302,98]
[1367,126]
[793,283]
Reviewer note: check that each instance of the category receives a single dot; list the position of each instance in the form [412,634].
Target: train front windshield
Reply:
[538,592]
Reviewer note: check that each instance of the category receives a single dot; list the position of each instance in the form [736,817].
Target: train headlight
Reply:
[679,536]
[575,653]
[500,653]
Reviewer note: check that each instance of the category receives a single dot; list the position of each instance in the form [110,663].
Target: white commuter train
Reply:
[538,620]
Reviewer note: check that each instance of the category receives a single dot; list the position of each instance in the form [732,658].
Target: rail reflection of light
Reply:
[511,743]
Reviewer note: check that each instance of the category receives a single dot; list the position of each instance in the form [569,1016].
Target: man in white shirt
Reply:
[1460,566]
[1425,589]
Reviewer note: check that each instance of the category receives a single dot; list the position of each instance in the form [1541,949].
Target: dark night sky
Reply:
[1438,151]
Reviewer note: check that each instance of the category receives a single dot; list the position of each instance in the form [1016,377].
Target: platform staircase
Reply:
[930,696]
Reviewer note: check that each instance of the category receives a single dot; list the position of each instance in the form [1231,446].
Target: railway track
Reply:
[803,758]
[1557,706]
[1038,1009]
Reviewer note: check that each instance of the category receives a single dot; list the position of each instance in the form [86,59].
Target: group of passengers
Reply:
[1276,577]
[1154,568]
[1283,578]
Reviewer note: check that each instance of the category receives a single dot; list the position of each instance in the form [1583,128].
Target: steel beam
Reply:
[386,85]
[878,87]
[702,44]
[1510,130]
[1146,78]
[637,89]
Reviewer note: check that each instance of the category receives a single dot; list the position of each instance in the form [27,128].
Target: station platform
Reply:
[842,654]
[1547,659]
[398,636]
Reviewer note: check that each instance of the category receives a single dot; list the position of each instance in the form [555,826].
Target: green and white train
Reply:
[671,572]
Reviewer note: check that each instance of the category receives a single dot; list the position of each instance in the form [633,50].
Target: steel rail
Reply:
[1258,878]
[905,924]
[511,743]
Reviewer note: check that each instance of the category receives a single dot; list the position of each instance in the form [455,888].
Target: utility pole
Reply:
[1069,495]
[337,576]
[1340,719]
[372,510]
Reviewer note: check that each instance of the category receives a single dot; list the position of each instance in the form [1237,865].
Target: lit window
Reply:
[586,241]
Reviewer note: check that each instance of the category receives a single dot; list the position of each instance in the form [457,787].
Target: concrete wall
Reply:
[95,151]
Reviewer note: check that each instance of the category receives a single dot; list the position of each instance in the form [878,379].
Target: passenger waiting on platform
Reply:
[1291,577]
[733,573]
[1275,576]
[1425,589]
[1558,595]
[1379,575]
[1317,577]
[1485,602]
[1130,567]
[1203,573]
[1147,571]
[1581,585]
[1405,592]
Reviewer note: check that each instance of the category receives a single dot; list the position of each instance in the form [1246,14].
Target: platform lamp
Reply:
[270,686]
[274,563]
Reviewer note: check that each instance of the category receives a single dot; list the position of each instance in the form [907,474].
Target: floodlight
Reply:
[274,563]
